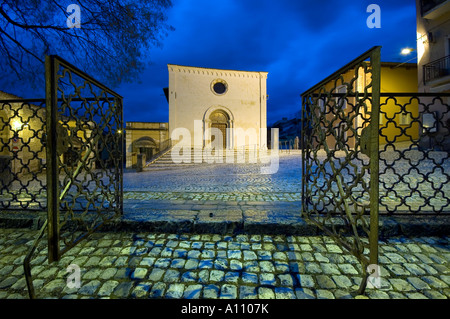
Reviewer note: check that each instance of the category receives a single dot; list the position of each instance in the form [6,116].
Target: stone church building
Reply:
[203,102]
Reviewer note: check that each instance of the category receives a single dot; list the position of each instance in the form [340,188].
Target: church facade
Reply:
[213,108]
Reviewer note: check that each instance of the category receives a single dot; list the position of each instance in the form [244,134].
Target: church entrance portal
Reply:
[219,120]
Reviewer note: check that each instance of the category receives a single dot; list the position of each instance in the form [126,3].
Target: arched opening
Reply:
[145,145]
[219,120]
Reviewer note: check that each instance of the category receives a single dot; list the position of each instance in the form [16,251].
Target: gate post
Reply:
[375,154]
[52,159]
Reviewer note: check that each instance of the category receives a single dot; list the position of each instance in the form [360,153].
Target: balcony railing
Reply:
[427,5]
[436,69]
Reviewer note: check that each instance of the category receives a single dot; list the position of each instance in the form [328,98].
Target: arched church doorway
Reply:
[145,145]
[220,121]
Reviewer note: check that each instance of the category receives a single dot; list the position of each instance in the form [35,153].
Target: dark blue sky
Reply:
[297,42]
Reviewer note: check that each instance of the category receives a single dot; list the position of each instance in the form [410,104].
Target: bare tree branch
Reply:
[112,42]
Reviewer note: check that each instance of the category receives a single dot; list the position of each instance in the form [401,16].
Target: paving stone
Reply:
[305,281]
[325,282]
[434,282]
[433,294]
[235,264]
[162,262]
[211,291]
[191,264]
[313,268]
[247,292]
[415,295]
[266,293]
[401,285]
[264,255]
[231,277]
[395,258]
[205,264]
[107,288]
[285,280]
[267,279]
[342,281]
[324,294]
[108,273]
[175,291]
[415,269]
[304,293]
[347,269]
[141,290]
[330,269]
[172,276]
[178,263]
[189,276]
[266,266]
[8,282]
[123,289]
[234,254]
[216,275]
[158,289]
[284,293]
[228,291]
[445,278]
[250,255]
[156,274]
[377,294]
[203,276]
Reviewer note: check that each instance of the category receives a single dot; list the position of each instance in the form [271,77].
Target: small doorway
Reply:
[222,128]
[219,120]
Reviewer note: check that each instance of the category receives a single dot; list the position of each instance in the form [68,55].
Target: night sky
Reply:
[297,42]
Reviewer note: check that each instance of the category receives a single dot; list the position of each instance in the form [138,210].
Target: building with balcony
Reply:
[433,61]
[433,45]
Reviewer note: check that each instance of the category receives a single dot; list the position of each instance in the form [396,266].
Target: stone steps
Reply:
[196,155]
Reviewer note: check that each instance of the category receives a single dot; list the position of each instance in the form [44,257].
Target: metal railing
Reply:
[427,5]
[414,154]
[436,69]
[338,136]
[23,183]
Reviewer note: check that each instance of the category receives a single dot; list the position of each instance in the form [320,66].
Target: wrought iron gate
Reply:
[84,155]
[340,157]
[83,143]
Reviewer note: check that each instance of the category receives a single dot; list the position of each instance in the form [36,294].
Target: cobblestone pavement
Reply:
[151,265]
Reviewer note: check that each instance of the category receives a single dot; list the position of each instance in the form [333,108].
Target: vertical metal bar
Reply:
[374,158]
[122,152]
[303,147]
[52,159]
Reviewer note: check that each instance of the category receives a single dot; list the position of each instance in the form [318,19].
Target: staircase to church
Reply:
[203,157]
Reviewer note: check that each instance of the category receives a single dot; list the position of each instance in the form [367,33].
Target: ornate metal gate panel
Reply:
[340,157]
[84,155]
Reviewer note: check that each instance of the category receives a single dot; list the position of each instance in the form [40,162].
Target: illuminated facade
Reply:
[204,101]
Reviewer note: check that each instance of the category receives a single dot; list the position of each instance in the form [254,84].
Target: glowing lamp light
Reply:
[16,125]
[406,51]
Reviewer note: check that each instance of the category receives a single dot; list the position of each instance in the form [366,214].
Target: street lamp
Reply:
[407,51]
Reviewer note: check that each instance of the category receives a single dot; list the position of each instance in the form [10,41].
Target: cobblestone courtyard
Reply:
[150,265]
[212,263]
